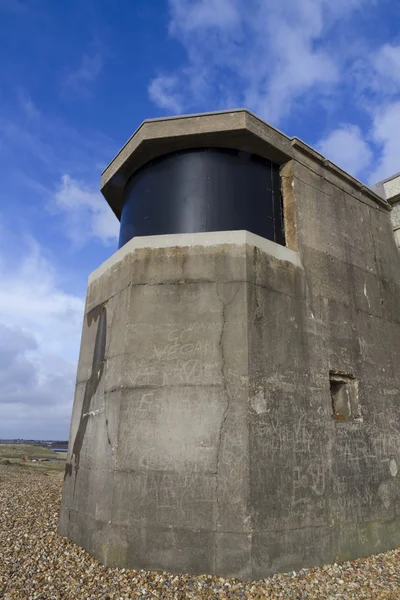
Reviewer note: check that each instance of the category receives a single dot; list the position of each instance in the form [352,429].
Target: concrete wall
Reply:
[202,436]
[168,415]
[325,489]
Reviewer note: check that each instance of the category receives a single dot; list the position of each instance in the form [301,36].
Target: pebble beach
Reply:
[37,563]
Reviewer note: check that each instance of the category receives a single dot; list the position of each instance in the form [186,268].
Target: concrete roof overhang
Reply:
[236,129]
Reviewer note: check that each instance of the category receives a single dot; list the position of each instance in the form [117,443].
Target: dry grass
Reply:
[11,454]
[20,450]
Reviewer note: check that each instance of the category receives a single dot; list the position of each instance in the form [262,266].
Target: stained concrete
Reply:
[203,437]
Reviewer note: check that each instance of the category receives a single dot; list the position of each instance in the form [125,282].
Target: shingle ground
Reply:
[36,562]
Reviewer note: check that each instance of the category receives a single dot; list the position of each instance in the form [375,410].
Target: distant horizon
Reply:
[17,439]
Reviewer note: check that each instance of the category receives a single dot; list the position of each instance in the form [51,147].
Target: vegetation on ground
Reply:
[21,450]
[11,454]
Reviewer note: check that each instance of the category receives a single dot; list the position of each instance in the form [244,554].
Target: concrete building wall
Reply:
[163,461]
[203,437]
[325,489]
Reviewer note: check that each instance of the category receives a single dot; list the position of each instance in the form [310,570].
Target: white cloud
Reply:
[55,162]
[386,134]
[277,57]
[346,147]
[31,298]
[163,91]
[40,327]
[376,151]
[189,16]
[265,55]
[86,212]
[386,62]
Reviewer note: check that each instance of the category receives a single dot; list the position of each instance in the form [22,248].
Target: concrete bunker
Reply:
[217,425]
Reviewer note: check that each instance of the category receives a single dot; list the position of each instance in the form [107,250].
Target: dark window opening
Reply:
[204,189]
[344,396]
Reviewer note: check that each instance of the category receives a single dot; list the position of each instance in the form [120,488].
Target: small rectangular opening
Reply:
[344,396]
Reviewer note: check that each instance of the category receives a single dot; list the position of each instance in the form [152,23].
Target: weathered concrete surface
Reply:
[157,474]
[203,437]
[322,489]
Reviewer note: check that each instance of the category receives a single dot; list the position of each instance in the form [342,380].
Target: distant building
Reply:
[389,189]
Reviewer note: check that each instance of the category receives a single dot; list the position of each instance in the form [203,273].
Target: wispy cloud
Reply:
[35,138]
[40,325]
[373,151]
[37,149]
[14,6]
[372,155]
[164,91]
[281,59]
[190,17]
[40,318]
[347,147]
[86,73]
[27,105]
[264,55]
[86,213]
[386,63]
[386,134]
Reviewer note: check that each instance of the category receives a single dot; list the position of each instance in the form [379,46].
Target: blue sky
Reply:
[78,77]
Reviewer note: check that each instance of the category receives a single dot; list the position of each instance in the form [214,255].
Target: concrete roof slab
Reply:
[239,129]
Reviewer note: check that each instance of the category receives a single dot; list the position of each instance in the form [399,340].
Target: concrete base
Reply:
[203,438]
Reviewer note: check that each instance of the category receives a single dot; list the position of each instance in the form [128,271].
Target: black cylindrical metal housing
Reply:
[206,189]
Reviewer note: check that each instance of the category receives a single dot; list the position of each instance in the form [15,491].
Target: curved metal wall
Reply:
[208,189]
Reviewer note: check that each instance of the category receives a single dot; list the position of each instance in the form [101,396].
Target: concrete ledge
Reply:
[206,239]
[237,129]
[303,149]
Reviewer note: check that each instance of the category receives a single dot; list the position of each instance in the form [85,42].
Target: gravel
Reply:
[36,562]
